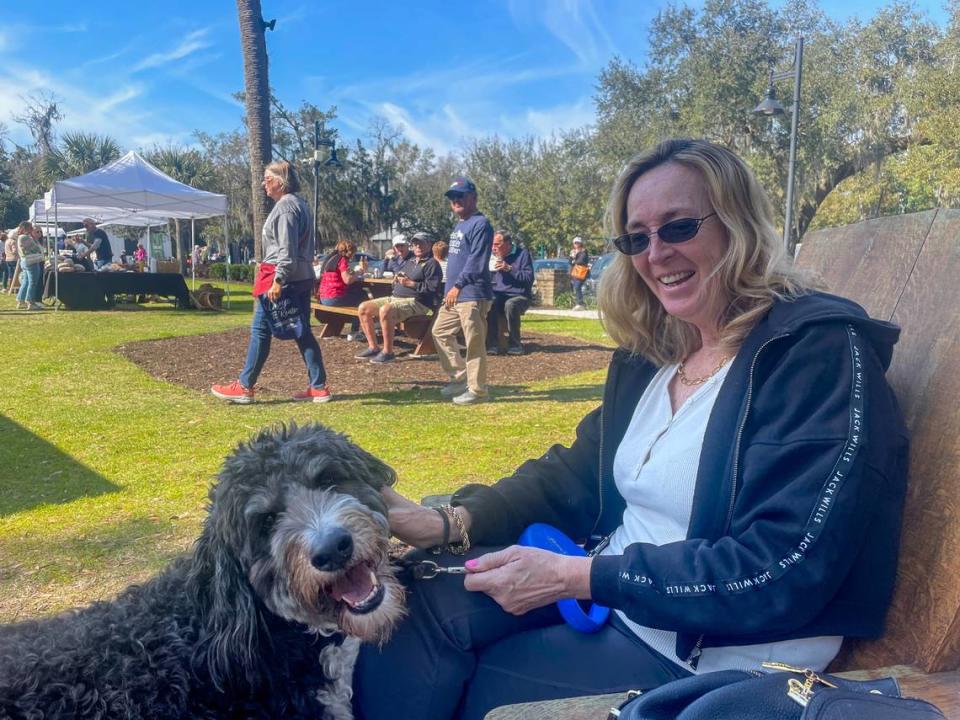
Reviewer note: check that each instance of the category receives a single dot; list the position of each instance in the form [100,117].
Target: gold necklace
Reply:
[693,382]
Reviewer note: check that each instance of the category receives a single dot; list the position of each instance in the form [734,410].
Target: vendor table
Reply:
[95,291]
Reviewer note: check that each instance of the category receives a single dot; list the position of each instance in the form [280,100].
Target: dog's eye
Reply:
[267,521]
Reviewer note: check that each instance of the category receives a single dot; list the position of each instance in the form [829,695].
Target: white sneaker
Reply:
[579,307]
[453,389]
[469,398]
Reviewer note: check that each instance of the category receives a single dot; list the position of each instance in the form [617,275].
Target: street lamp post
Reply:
[332,161]
[771,106]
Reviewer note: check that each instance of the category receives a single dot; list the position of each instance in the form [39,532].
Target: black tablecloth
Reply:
[95,291]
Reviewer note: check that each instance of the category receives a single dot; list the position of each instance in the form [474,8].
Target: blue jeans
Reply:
[457,654]
[100,263]
[577,290]
[6,272]
[30,276]
[261,337]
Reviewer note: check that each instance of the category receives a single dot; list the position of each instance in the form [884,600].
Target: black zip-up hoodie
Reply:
[796,512]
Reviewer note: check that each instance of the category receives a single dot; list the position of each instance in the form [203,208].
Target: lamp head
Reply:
[770,105]
[333,161]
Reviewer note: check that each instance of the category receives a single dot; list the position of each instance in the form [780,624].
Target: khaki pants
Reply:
[471,317]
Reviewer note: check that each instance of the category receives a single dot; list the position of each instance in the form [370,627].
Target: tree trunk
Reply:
[257,94]
[182,252]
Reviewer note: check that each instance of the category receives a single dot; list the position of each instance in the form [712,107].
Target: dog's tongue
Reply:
[355,585]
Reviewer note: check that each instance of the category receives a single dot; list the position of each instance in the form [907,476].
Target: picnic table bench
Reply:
[903,269]
[332,318]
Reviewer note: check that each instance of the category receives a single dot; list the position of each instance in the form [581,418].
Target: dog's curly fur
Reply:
[262,620]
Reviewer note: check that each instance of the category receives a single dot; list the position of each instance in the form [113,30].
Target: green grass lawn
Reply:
[104,470]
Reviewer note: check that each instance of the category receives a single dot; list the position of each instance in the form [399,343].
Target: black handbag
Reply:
[792,695]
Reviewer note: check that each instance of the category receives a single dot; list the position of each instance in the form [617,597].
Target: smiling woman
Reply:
[737,401]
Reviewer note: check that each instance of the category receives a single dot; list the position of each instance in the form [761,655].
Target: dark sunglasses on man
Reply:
[675,231]
[455,197]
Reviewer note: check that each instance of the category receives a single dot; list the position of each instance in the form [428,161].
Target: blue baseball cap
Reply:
[461,185]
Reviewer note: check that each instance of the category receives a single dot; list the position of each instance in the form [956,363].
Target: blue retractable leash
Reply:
[547,537]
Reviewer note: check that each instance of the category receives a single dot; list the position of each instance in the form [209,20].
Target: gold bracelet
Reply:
[463,546]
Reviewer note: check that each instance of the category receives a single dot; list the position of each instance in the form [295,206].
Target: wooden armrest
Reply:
[591,707]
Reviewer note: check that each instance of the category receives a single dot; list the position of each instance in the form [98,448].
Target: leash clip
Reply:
[428,570]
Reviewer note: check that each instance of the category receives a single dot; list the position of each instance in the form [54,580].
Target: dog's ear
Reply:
[234,645]
[378,473]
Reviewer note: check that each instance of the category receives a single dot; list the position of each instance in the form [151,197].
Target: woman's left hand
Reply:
[273,294]
[520,579]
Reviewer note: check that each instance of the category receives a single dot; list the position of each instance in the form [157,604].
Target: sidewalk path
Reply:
[582,314]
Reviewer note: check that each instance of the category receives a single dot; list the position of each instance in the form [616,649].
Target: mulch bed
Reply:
[199,361]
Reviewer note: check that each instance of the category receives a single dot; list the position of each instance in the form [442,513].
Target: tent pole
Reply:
[56,263]
[226,243]
[193,255]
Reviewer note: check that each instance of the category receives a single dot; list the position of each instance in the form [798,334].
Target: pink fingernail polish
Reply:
[470,564]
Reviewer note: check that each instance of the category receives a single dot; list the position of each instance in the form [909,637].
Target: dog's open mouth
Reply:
[359,589]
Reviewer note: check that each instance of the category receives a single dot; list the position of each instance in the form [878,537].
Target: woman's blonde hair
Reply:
[754,272]
[24,227]
[289,181]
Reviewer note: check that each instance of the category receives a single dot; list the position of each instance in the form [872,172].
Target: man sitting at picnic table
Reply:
[417,284]
[512,281]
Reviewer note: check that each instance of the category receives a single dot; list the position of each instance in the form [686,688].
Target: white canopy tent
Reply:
[133,192]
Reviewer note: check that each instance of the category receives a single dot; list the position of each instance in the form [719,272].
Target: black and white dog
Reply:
[262,620]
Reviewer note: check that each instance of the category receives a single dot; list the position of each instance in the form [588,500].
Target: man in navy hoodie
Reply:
[512,285]
[467,298]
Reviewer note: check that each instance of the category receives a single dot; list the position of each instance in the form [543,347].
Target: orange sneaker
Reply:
[234,392]
[314,395]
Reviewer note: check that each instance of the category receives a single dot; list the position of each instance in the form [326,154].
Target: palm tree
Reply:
[257,99]
[78,154]
[191,168]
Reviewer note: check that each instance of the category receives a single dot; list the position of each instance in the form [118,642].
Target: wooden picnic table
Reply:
[378,287]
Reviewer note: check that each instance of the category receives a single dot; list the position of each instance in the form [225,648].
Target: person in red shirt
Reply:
[339,284]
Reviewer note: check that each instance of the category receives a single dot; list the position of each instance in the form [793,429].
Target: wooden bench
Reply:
[903,269]
[332,318]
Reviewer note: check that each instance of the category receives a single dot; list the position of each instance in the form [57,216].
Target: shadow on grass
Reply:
[33,472]
[429,393]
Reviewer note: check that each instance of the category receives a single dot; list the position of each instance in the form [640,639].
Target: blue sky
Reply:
[149,72]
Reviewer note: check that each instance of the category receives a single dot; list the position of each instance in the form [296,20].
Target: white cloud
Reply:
[544,122]
[109,103]
[193,42]
[83,108]
[572,22]
[148,141]
[401,118]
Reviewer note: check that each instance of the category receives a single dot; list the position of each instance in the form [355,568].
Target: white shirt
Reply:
[655,470]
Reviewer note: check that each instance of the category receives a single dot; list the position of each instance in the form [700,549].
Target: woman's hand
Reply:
[273,294]
[521,578]
[414,524]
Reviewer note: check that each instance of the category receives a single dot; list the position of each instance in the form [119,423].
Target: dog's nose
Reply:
[333,550]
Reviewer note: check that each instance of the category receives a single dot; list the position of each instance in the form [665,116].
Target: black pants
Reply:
[512,306]
[457,654]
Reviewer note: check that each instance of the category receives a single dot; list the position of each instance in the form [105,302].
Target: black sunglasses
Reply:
[675,231]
